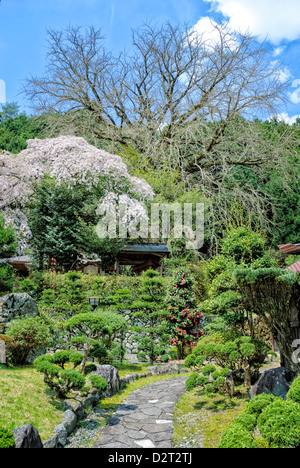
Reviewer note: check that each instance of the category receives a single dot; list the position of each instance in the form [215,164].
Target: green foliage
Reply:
[148,308]
[279,424]
[184,321]
[8,240]
[27,334]
[7,439]
[90,368]
[63,220]
[16,128]
[237,437]
[294,391]
[192,381]
[98,382]
[243,245]
[61,381]
[277,420]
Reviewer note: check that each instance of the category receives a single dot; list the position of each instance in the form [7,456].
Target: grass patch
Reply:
[25,399]
[200,420]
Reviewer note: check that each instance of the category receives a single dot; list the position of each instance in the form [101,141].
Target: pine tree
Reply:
[184,321]
[149,311]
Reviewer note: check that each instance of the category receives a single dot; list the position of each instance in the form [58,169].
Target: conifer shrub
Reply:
[7,439]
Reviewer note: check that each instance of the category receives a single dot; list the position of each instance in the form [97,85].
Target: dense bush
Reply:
[7,439]
[277,420]
[279,424]
[98,382]
[24,336]
[294,391]
[237,437]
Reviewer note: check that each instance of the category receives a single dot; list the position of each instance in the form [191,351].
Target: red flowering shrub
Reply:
[184,321]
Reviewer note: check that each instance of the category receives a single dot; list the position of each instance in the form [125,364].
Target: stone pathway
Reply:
[145,419]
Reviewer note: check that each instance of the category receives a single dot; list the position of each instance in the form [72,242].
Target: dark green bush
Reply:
[237,436]
[98,382]
[7,439]
[259,403]
[279,424]
[90,368]
[294,391]
[192,381]
[72,378]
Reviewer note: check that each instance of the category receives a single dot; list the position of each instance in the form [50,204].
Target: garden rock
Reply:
[273,381]
[69,421]
[111,375]
[62,434]
[15,305]
[27,436]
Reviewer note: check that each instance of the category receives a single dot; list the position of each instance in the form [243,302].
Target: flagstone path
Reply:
[145,419]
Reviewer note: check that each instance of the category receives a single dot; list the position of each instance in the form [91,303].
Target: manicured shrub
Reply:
[279,424]
[237,436]
[7,439]
[73,379]
[294,391]
[192,381]
[259,403]
[98,382]
[248,421]
[89,368]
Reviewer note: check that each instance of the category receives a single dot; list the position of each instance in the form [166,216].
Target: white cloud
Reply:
[295,95]
[274,19]
[208,30]
[284,117]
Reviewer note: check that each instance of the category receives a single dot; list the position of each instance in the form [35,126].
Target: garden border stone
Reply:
[75,409]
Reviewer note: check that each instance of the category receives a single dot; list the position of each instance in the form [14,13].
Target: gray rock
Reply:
[273,381]
[69,421]
[52,442]
[75,406]
[15,305]
[27,436]
[111,375]
[62,434]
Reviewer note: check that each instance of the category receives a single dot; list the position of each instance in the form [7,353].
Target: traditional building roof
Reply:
[295,267]
[288,249]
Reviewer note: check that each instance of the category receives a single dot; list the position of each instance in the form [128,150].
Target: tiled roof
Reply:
[295,267]
[290,248]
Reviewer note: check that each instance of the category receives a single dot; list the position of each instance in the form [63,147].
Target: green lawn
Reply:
[200,420]
[25,399]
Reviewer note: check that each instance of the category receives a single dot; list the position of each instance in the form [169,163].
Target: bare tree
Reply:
[177,97]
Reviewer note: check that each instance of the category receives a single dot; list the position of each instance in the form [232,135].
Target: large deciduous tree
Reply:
[182,100]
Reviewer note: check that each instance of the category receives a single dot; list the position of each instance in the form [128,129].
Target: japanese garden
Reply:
[114,334]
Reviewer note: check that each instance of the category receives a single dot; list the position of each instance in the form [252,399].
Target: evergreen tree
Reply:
[8,247]
[148,313]
[184,321]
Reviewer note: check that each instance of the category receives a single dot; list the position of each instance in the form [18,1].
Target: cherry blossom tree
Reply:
[66,159]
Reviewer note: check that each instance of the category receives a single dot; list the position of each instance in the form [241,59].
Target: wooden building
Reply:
[139,257]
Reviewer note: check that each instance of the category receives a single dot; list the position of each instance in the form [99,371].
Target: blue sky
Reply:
[23,36]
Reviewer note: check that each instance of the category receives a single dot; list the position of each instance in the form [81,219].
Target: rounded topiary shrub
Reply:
[294,391]
[237,437]
[191,382]
[7,439]
[98,382]
[259,403]
[279,424]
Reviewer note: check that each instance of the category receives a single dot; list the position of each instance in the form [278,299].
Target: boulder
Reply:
[15,305]
[273,381]
[111,375]
[27,437]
